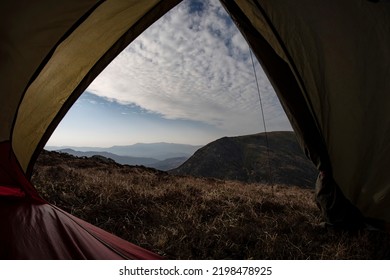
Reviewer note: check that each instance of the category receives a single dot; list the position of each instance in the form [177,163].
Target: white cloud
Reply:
[193,66]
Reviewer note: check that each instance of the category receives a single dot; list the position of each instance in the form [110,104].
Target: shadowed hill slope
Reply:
[245,158]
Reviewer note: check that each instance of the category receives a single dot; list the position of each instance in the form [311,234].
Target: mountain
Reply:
[169,163]
[245,158]
[158,151]
[163,165]
[119,159]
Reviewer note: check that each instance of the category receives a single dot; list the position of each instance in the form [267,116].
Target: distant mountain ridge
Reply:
[119,159]
[162,156]
[245,158]
[242,158]
[159,151]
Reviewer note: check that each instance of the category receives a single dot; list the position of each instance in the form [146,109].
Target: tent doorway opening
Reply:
[187,79]
[187,84]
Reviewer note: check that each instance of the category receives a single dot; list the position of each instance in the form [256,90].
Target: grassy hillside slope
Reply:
[191,218]
[246,158]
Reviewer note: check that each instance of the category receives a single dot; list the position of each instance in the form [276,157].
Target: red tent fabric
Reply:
[31,228]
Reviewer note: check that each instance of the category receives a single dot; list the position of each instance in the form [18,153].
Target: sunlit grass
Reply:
[192,218]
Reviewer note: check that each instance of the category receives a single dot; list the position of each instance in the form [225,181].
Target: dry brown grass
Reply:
[193,218]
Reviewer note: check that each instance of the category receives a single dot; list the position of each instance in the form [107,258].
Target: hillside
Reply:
[157,151]
[168,164]
[163,165]
[119,159]
[160,151]
[182,217]
[245,158]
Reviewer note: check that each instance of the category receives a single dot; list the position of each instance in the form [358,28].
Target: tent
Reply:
[327,60]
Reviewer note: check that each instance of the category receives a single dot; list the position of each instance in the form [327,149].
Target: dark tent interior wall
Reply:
[328,61]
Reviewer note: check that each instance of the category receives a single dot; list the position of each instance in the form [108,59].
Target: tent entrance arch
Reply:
[181,75]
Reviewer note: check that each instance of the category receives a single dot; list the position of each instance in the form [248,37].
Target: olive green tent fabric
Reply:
[337,210]
[338,52]
[29,30]
[328,61]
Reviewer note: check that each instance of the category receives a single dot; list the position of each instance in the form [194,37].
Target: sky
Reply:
[187,79]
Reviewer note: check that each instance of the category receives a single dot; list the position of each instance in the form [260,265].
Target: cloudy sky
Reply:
[187,79]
